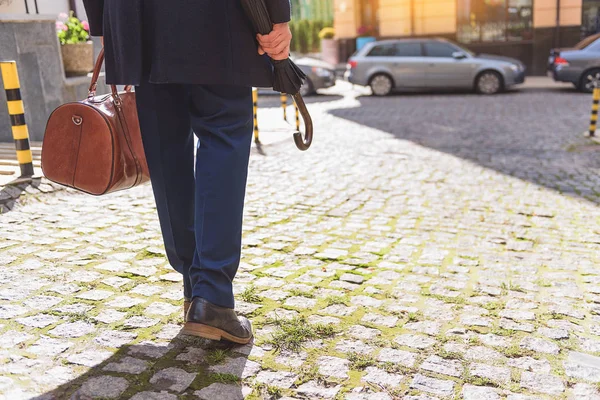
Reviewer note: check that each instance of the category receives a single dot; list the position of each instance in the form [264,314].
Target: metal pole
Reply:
[37,11]
[594,116]
[506,22]
[255,110]
[16,111]
[412,17]
[73,7]
[557,32]
[26,7]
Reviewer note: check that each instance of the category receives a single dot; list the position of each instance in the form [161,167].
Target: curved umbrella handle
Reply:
[303,143]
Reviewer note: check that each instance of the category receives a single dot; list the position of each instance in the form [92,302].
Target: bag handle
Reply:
[96,75]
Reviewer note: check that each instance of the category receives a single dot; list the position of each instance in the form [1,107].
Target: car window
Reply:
[383,50]
[464,50]
[437,49]
[594,46]
[586,42]
[408,50]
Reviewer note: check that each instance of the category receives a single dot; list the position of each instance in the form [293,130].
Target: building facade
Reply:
[524,29]
[49,7]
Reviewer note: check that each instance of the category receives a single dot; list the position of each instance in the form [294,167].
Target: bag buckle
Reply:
[117,100]
[92,91]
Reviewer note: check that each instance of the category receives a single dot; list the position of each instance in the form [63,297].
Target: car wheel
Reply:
[589,80]
[489,82]
[307,88]
[381,85]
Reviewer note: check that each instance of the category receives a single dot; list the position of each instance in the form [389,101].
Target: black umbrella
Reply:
[288,77]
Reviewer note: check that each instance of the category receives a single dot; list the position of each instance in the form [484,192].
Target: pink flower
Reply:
[85,25]
[63,16]
[65,28]
[363,30]
[59,25]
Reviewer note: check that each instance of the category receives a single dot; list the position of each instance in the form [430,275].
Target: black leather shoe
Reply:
[213,322]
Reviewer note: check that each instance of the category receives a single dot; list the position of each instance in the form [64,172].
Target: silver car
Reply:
[579,64]
[430,64]
[319,75]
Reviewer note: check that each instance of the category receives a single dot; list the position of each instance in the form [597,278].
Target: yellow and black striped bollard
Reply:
[255,110]
[16,111]
[594,117]
[283,98]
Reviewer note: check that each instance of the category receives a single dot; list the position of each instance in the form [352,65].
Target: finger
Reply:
[271,37]
[263,42]
[261,51]
[281,56]
[275,47]
[283,38]
[278,50]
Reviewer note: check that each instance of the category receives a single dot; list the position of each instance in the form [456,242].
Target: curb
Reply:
[595,138]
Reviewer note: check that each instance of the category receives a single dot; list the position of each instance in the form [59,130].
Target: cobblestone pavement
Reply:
[427,247]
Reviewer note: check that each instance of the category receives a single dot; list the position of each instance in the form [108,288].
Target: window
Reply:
[396,50]
[408,50]
[590,17]
[437,49]
[586,42]
[494,20]
[383,50]
[594,46]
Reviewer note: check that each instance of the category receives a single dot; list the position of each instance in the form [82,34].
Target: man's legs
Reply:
[169,147]
[221,117]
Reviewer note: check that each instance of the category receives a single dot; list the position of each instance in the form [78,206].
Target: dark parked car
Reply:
[319,75]
[579,65]
[430,64]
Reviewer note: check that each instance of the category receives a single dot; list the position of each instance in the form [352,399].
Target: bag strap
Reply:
[96,75]
[117,103]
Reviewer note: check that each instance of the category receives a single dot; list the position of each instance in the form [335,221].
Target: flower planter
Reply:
[329,51]
[361,41]
[78,59]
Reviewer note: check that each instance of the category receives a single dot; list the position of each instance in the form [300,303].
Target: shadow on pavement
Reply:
[9,195]
[535,135]
[187,365]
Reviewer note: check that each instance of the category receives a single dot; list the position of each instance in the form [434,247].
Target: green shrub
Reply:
[303,36]
[315,28]
[306,34]
[294,30]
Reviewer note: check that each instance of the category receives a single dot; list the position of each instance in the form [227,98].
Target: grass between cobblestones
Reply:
[292,335]
[429,276]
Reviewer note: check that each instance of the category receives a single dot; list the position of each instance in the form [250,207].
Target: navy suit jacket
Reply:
[181,41]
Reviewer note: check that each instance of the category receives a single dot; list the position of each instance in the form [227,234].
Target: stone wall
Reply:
[31,41]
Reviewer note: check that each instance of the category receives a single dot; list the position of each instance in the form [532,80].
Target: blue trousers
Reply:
[200,209]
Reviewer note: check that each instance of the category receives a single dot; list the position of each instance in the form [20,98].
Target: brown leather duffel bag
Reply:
[95,145]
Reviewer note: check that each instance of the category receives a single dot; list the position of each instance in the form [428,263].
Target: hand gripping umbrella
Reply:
[288,77]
